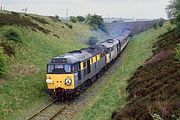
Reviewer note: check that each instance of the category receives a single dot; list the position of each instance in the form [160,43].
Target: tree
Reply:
[161,22]
[73,19]
[96,22]
[155,26]
[57,17]
[173,10]
[80,18]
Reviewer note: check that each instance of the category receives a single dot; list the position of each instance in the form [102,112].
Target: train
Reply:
[68,75]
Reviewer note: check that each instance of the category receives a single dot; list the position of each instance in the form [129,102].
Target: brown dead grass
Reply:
[19,20]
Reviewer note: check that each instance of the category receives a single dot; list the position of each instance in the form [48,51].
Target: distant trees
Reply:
[80,18]
[73,19]
[57,17]
[96,21]
[173,10]
[77,19]
[158,23]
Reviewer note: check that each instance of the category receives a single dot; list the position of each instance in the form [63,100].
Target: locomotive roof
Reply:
[77,55]
[109,43]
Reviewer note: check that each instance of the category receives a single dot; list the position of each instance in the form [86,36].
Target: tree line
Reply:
[173,11]
[95,21]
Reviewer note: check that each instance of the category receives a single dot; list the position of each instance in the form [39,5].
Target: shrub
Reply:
[92,40]
[73,19]
[69,25]
[80,18]
[173,13]
[161,22]
[96,22]
[178,52]
[169,29]
[2,63]
[155,26]
[12,34]
[57,17]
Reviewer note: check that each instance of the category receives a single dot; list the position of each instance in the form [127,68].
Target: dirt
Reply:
[40,20]
[7,49]
[19,20]
[155,87]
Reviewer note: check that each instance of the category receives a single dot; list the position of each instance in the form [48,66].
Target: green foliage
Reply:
[158,23]
[161,22]
[169,29]
[77,19]
[57,17]
[178,52]
[73,19]
[92,40]
[12,33]
[96,22]
[80,18]
[24,83]
[111,94]
[2,63]
[155,25]
[173,12]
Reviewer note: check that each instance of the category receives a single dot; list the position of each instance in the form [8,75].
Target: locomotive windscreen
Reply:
[58,68]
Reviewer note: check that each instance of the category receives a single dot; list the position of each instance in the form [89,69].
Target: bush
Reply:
[57,17]
[161,22]
[80,18]
[173,13]
[12,34]
[73,19]
[92,41]
[2,63]
[169,29]
[178,52]
[155,26]
[96,22]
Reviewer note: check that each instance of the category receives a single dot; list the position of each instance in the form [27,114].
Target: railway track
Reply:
[49,112]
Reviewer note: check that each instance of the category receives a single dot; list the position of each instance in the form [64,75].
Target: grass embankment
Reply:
[112,93]
[39,39]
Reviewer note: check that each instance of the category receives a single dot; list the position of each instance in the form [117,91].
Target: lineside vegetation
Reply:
[112,93]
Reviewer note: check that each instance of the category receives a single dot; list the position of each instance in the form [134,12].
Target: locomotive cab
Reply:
[61,75]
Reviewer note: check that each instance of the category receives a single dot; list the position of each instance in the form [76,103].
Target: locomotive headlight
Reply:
[68,81]
[49,81]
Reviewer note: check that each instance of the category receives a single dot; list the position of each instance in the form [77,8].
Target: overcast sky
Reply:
[149,9]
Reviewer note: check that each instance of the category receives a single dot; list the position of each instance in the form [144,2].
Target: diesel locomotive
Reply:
[69,74]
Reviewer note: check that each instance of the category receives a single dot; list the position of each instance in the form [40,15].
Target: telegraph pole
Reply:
[67,14]
[108,18]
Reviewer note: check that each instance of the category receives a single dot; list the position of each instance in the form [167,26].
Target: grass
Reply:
[112,93]
[24,83]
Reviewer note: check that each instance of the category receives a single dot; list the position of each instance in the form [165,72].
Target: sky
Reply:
[145,9]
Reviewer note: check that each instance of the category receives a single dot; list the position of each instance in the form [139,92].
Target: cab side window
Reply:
[77,67]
